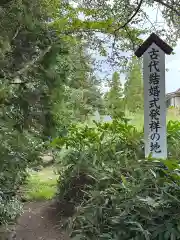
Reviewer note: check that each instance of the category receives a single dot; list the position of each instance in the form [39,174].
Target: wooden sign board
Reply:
[155,135]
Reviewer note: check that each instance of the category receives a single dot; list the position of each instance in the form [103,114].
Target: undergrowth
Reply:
[124,196]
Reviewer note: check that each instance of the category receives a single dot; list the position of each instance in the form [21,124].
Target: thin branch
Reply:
[16,33]
[125,24]
[171,7]
[157,13]
[131,18]
[146,16]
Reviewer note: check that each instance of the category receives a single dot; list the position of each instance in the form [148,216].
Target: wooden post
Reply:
[155,136]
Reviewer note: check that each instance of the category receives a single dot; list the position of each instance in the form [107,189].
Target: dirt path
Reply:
[40,221]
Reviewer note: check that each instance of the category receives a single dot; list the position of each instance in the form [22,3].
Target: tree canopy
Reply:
[114,97]
[134,87]
[47,77]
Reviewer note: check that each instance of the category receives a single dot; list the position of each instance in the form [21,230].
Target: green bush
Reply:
[124,196]
[91,148]
[140,203]
[18,151]
[10,208]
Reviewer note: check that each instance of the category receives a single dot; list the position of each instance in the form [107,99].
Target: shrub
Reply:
[88,149]
[18,151]
[127,197]
[139,204]
[10,208]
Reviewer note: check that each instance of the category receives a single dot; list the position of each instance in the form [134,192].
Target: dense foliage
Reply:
[42,78]
[118,194]
[47,77]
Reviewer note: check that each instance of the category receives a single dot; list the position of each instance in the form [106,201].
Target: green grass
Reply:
[40,185]
[137,119]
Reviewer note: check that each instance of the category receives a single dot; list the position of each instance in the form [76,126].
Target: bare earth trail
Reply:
[40,221]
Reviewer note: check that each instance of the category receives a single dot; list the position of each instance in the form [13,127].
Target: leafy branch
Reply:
[131,18]
[167,5]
